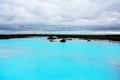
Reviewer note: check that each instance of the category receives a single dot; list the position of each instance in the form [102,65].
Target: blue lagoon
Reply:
[38,59]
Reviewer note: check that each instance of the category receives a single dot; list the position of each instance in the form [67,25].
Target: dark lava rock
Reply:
[51,40]
[63,40]
[88,40]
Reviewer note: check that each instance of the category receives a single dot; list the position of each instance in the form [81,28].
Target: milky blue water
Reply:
[39,59]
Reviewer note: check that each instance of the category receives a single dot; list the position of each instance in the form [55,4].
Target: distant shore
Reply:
[114,37]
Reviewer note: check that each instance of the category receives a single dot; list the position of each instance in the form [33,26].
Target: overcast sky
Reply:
[59,12]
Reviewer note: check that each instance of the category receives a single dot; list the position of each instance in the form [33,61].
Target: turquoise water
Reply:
[39,59]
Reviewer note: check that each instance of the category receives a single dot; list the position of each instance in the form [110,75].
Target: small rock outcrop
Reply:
[63,40]
[52,40]
[88,40]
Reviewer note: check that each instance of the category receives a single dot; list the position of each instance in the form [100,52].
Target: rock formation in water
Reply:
[63,40]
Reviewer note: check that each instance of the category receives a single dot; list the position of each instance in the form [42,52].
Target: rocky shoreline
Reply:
[64,37]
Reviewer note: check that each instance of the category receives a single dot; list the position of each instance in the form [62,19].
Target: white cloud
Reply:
[66,12]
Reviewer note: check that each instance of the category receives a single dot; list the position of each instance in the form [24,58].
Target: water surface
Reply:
[39,59]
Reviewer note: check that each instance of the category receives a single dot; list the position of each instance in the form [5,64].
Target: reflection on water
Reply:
[39,59]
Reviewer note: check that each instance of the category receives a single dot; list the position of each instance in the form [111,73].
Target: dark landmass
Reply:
[64,37]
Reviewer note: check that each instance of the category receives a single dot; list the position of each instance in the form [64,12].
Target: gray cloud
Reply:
[52,14]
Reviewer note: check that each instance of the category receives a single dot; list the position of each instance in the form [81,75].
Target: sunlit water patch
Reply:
[39,59]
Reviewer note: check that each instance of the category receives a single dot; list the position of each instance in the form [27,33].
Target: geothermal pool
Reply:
[39,59]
